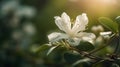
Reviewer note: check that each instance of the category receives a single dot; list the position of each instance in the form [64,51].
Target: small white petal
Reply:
[87,36]
[58,22]
[105,33]
[84,34]
[88,39]
[63,22]
[80,23]
[53,37]
[66,20]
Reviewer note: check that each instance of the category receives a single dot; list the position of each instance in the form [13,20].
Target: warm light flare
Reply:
[98,7]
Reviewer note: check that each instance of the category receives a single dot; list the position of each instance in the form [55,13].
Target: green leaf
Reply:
[71,57]
[115,65]
[117,61]
[36,49]
[108,23]
[81,61]
[85,46]
[114,42]
[51,49]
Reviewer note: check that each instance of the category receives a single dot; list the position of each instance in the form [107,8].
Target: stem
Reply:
[118,43]
[65,43]
[119,38]
[117,47]
[94,51]
[86,54]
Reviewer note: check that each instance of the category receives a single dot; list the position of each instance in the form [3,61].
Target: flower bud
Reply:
[97,29]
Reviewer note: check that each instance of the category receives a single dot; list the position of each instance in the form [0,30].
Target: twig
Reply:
[86,54]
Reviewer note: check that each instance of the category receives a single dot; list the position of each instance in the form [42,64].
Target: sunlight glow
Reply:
[96,6]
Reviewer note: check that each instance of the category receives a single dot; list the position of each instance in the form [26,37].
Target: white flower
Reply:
[74,32]
[106,35]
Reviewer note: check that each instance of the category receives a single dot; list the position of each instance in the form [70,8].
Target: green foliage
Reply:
[81,61]
[85,46]
[108,23]
[103,64]
[71,57]
[114,40]
[51,49]
[40,48]
[117,61]
[115,65]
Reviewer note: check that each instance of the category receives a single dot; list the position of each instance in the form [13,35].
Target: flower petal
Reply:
[105,33]
[80,23]
[59,22]
[87,36]
[63,22]
[66,20]
[55,36]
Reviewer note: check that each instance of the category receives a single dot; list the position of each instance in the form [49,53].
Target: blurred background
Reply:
[25,24]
